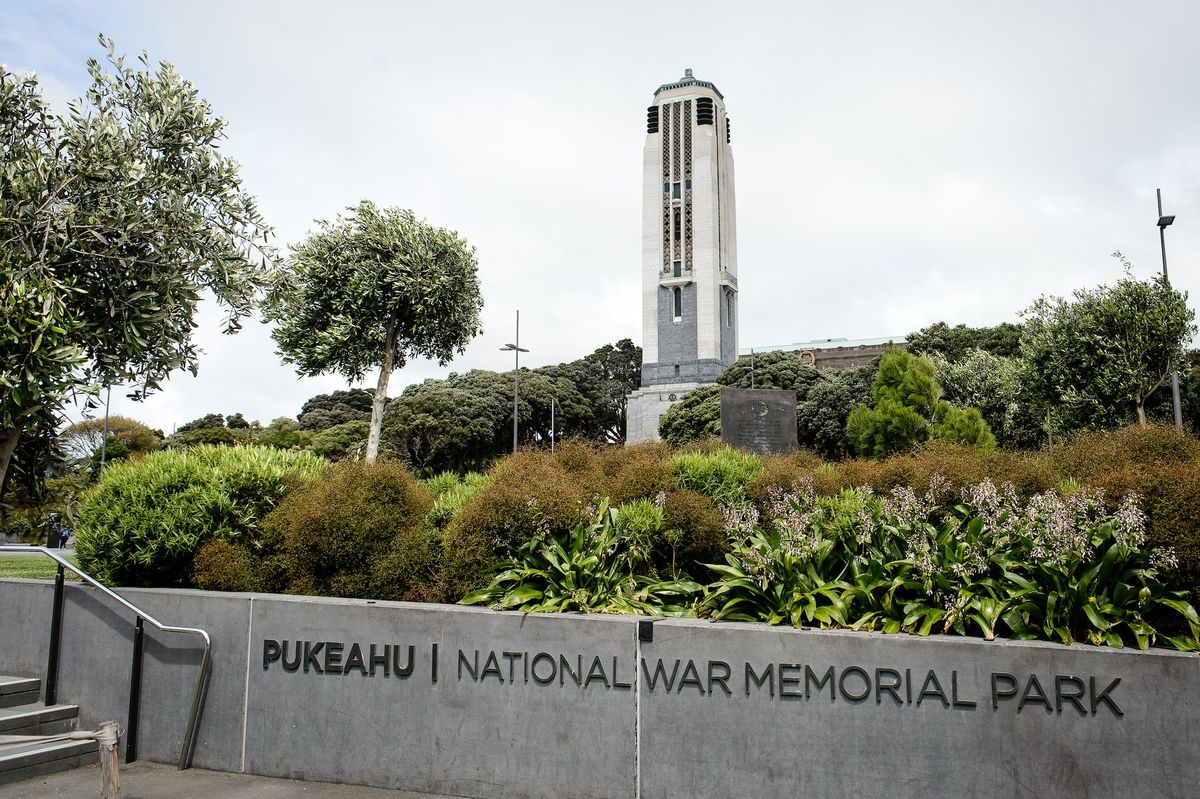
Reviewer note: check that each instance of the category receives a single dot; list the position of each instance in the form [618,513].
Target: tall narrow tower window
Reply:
[675,193]
[678,300]
[652,119]
[677,269]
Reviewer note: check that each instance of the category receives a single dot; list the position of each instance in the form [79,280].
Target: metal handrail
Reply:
[185,756]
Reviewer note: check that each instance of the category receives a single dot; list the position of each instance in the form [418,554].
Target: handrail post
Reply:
[189,743]
[55,641]
[135,693]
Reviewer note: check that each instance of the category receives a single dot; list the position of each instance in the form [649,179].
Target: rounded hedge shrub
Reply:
[526,492]
[1094,452]
[360,531]
[693,534]
[221,565]
[641,471]
[144,521]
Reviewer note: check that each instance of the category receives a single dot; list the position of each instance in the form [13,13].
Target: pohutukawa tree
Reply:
[370,291]
[113,220]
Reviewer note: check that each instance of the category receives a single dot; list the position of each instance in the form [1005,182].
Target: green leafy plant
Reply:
[720,475]
[145,519]
[1056,567]
[451,497]
[594,567]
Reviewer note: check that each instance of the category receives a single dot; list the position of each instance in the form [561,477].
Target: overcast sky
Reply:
[897,163]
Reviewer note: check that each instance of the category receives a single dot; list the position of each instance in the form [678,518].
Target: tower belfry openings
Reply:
[689,249]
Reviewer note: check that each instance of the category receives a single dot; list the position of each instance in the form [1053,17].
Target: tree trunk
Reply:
[380,399]
[9,437]
[1141,411]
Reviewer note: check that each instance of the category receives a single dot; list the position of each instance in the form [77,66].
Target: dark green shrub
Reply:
[145,519]
[595,567]
[693,534]
[696,416]
[340,441]
[224,566]
[201,436]
[527,491]
[337,534]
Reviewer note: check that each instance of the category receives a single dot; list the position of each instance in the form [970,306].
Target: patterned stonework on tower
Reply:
[689,250]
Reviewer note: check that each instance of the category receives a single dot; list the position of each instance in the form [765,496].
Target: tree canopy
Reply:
[113,220]
[823,401]
[371,290]
[328,410]
[908,409]
[955,343]
[1097,359]
[82,441]
[465,421]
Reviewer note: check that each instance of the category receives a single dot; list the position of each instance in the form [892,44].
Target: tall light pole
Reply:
[1163,222]
[516,350]
[104,439]
[552,424]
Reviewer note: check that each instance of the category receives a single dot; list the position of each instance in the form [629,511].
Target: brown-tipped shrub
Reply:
[1029,472]
[694,534]
[576,456]
[880,475]
[958,464]
[641,471]
[706,445]
[527,490]
[1170,497]
[221,565]
[781,474]
[583,460]
[1091,453]
[336,534]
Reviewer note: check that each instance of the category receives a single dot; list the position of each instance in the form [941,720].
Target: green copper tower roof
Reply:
[689,80]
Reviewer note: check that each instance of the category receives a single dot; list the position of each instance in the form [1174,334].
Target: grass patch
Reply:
[31,567]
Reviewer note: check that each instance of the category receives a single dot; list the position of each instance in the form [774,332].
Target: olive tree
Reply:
[1097,359]
[369,291]
[113,220]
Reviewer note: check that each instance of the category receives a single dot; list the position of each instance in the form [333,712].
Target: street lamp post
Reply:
[516,350]
[1163,222]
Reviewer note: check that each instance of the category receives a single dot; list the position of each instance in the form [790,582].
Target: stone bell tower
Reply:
[689,250]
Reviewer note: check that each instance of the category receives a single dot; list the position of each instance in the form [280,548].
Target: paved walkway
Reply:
[144,780]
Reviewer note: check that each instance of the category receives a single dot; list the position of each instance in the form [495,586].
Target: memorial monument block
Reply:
[760,420]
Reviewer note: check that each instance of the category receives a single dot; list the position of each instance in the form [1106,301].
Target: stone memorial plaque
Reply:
[759,420]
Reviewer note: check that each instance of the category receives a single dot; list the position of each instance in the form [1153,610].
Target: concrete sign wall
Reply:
[470,702]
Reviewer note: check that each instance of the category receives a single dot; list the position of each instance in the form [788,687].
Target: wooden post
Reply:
[110,782]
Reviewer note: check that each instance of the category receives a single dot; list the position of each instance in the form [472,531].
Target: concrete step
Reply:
[38,719]
[35,760]
[19,690]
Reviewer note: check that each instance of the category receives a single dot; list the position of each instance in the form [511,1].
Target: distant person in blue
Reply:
[63,535]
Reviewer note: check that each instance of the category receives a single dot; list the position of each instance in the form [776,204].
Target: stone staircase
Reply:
[22,714]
